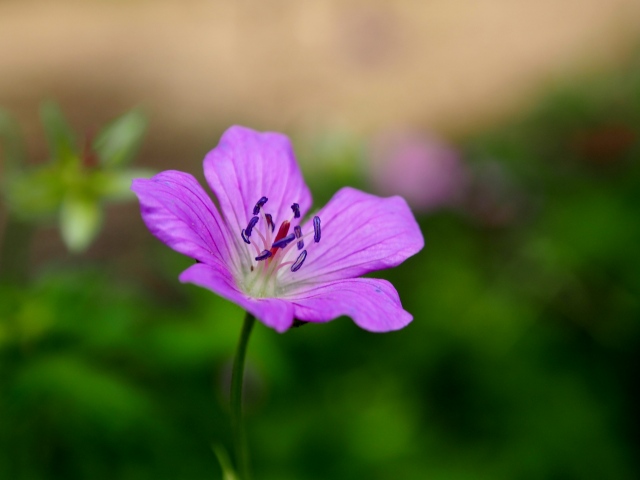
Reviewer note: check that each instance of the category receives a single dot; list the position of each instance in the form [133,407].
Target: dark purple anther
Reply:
[245,238]
[298,263]
[296,210]
[316,229]
[264,255]
[270,221]
[252,223]
[298,232]
[259,205]
[283,242]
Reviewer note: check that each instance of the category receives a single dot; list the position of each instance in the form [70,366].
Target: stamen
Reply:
[283,242]
[316,229]
[270,221]
[298,231]
[296,210]
[298,263]
[264,255]
[252,223]
[264,240]
[267,243]
[259,205]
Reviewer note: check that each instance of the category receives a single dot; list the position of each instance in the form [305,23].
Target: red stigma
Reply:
[282,232]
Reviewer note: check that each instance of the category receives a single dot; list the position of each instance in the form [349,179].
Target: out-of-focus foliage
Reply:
[520,362]
[75,181]
[11,142]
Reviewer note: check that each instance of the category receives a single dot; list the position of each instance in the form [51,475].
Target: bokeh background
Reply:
[513,128]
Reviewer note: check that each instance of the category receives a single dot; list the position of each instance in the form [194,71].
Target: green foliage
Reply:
[61,138]
[73,184]
[11,144]
[118,142]
[80,220]
[520,362]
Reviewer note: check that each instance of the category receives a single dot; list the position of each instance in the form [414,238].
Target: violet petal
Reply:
[361,233]
[247,165]
[373,304]
[177,211]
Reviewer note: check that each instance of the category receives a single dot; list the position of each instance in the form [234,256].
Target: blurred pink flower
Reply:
[424,170]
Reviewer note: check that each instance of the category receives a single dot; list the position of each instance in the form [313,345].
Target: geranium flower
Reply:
[259,253]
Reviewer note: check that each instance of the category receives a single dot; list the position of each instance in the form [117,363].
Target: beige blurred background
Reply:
[309,68]
[359,66]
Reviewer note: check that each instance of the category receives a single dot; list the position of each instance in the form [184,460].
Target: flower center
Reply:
[270,253]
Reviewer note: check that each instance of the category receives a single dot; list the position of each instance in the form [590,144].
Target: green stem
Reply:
[242,456]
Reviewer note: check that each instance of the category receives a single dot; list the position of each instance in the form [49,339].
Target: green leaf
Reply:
[33,194]
[60,136]
[11,143]
[115,185]
[118,142]
[225,464]
[80,221]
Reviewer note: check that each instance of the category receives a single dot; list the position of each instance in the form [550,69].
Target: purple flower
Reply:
[253,252]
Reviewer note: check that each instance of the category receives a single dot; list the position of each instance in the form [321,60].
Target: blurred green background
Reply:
[521,362]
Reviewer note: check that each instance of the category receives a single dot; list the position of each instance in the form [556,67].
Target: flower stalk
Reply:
[237,376]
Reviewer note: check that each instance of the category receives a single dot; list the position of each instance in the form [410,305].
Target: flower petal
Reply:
[177,210]
[360,233]
[273,312]
[373,304]
[247,165]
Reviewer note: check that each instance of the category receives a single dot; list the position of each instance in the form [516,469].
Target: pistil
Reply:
[282,232]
